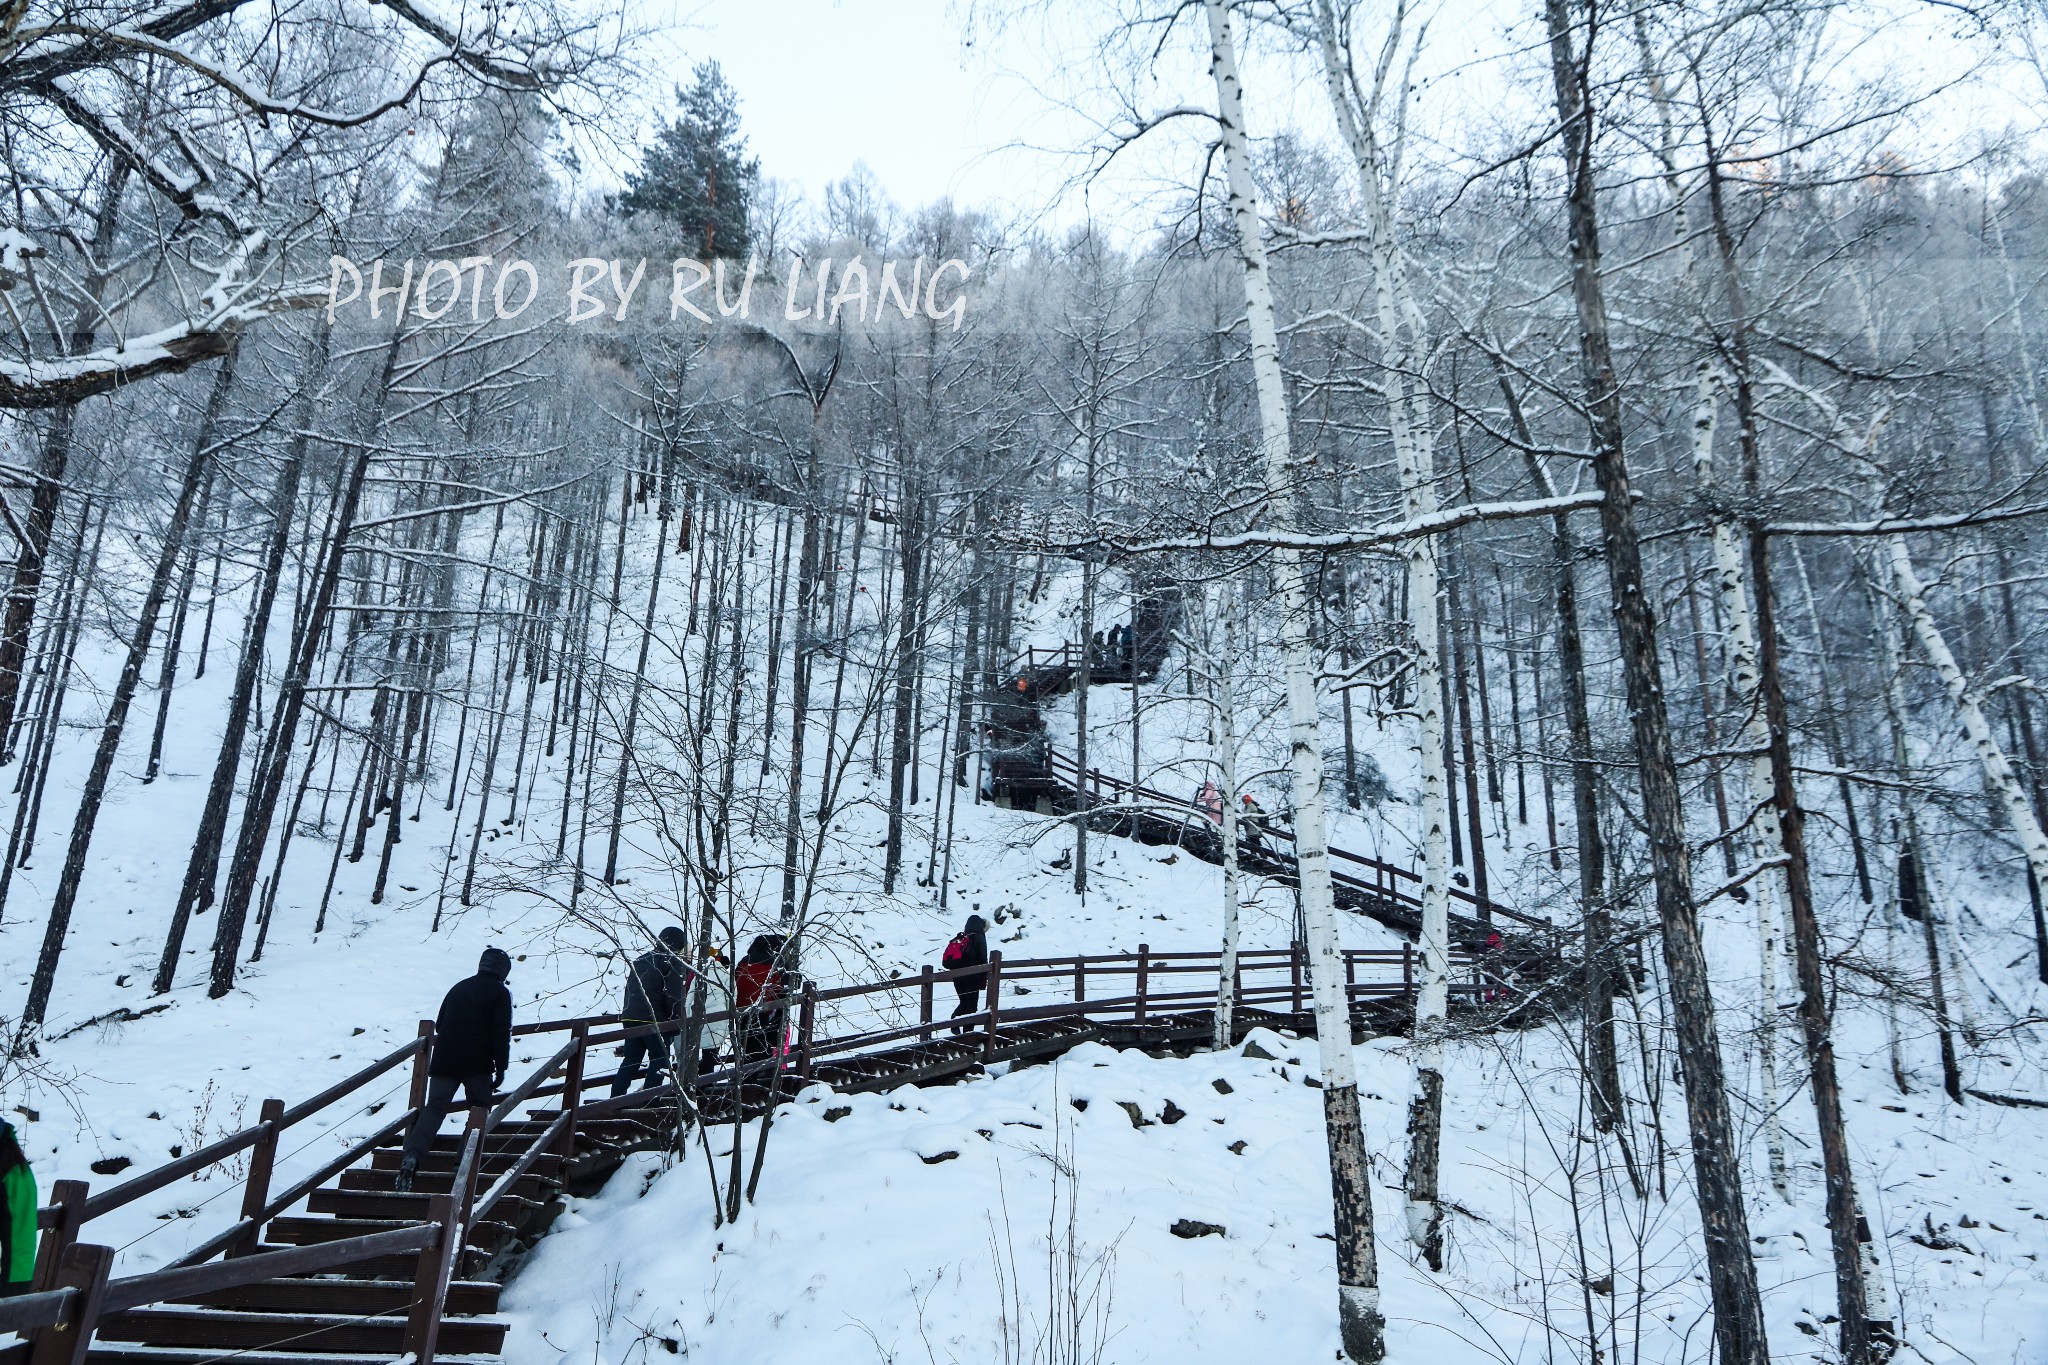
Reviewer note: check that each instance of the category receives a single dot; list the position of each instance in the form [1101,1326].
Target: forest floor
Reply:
[867,1242]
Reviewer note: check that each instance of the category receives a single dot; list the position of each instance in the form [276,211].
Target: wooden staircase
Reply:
[359,1313]
[340,1268]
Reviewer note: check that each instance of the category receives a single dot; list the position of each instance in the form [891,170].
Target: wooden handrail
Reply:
[532,1083]
[340,1089]
[502,1186]
[182,1282]
[153,1180]
[27,1312]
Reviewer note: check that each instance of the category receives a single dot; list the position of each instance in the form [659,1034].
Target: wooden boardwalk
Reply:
[339,1268]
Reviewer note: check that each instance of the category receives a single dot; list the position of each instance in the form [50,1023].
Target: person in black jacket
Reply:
[657,992]
[969,948]
[472,1044]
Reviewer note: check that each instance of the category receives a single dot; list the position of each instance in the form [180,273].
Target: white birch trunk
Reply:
[1998,773]
[1359,1318]
[1415,460]
[1767,844]
[1226,756]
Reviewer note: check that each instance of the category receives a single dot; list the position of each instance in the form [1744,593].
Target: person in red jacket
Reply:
[760,988]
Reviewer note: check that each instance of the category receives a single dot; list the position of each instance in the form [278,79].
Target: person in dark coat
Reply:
[969,948]
[657,992]
[760,990]
[472,1044]
[17,1216]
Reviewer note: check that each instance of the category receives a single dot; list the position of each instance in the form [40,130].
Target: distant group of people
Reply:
[472,1042]
[660,987]
[1111,649]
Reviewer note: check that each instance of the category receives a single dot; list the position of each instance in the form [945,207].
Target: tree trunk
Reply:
[196,890]
[95,788]
[1731,1274]
[1360,1322]
[1414,453]
[261,805]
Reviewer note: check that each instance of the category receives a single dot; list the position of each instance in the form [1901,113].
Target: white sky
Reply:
[937,110]
[826,83]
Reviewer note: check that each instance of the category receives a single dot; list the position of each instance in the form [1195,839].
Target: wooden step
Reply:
[352,1298]
[139,1354]
[400,1267]
[369,1180]
[380,1205]
[492,1163]
[222,1329]
[487,1237]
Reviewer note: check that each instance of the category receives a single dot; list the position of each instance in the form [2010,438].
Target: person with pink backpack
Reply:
[969,948]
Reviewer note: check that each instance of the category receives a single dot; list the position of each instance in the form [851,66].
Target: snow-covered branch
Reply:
[1362,538]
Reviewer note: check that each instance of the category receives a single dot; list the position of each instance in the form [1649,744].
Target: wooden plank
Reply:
[83,1269]
[26,1312]
[339,1089]
[186,1281]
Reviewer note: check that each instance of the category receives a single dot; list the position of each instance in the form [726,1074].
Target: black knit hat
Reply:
[673,939]
[494,962]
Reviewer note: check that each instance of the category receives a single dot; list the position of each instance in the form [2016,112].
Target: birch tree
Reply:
[1356,105]
[1358,1307]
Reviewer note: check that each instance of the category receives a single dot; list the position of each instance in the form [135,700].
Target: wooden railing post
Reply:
[430,1281]
[1407,968]
[1350,977]
[995,986]
[479,1123]
[418,1094]
[572,1090]
[1144,976]
[1294,973]
[82,1267]
[256,1190]
[807,1020]
[68,1197]
[1080,980]
[924,1005]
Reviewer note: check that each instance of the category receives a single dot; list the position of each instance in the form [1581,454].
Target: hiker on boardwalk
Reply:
[969,948]
[472,1044]
[1492,967]
[1250,824]
[17,1216]
[760,994]
[657,992]
[1210,799]
[717,980]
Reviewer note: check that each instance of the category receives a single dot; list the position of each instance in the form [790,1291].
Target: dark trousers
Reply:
[760,1033]
[970,1002]
[655,1049]
[440,1099]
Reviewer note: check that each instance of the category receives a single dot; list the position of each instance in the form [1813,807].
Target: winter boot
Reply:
[408,1166]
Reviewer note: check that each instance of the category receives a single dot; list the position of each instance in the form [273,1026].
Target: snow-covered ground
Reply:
[860,1249]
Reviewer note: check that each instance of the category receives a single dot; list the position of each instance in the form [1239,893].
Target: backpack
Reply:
[956,952]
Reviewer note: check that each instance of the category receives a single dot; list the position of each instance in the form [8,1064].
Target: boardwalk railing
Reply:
[1380,880]
[819,1031]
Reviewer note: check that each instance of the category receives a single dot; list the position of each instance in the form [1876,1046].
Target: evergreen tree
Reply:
[697,174]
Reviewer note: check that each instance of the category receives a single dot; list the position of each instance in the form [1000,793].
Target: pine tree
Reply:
[697,173]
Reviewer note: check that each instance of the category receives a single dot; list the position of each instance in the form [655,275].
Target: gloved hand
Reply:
[498,1079]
